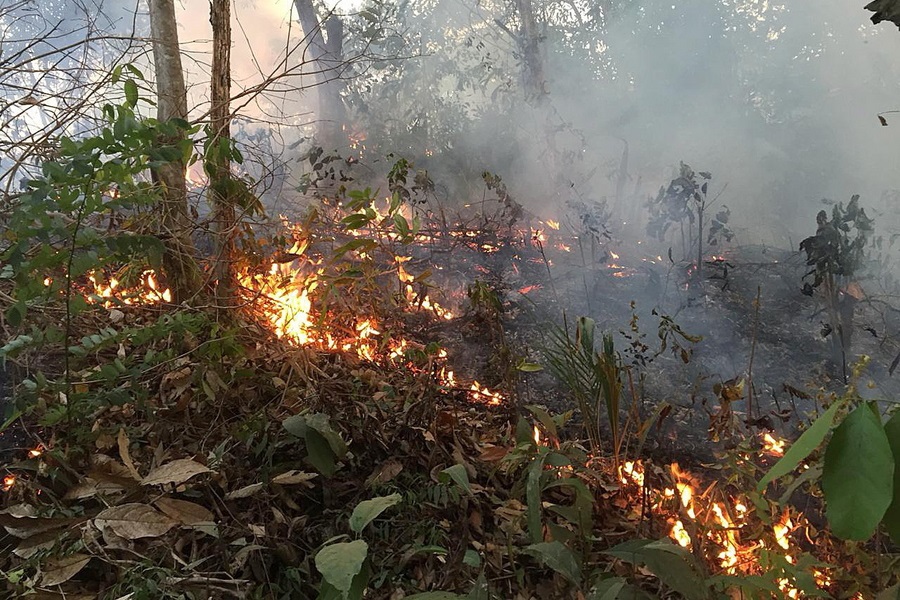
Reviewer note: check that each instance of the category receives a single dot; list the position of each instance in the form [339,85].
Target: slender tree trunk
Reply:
[530,46]
[219,154]
[175,227]
[329,58]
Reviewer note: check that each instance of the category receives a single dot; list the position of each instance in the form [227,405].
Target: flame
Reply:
[35,452]
[632,472]
[8,482]
[537,436]
[773,446]
[479,393]
[553,224]
[110,292]
[614,257]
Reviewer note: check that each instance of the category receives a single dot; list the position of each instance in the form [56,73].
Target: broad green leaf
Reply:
[858,476]
[367,510]
[339,563]
[320,454]
[616,588]
[802,448]
[480,591]
[472,558]
[559,558]
[892,593]
[131,93]
[545,419]
[892,516]
[885,10]
[456,473]
[673,565]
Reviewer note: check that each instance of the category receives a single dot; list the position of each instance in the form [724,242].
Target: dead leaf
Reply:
[493,453]
[244,492]
[385,472]
[186,513]
[60,570]
[177,472]
[294,477]
[134,521]
[123,442]
[38,543]
[109,466]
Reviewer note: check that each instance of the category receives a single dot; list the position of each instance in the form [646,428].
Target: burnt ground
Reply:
[793,365]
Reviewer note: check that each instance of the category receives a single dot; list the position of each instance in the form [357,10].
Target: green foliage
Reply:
[340,564]
[858,475]
[558,557]
[684,201]
[68,222]
[324,445]
[885,10]
[674,566]
[838,247]
[368,510]
[802,448]
[593,377]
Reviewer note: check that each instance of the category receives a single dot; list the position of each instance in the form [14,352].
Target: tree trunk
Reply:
[175,227]
[219,153]
[530,45]
[328,55]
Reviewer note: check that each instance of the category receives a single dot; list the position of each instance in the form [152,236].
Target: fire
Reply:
[110,292]
[537,436]
[35,452]
[632,472]
[479,393]
[8,482]
[553,224]
[614,256]
[773,446]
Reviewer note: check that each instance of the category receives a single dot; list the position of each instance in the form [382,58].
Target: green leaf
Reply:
[674,566]
[339,563]
[458,474]
[559,558]
[367,510]
[131,93]
[527,367]
[480,591]
[892,516]
[16,313]
[802,448]
[885,10]
[545,419]
[472,559]
[434,596]
[892,593]
[533,498]
[616,588]
[320,454]
[858,476]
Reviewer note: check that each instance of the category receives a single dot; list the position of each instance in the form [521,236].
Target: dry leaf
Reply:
[186,513]
[109,466]
[177,471]
[493,453]
[293,477]
[123,442]
[60,570]
[244,492]
[387,471]
[39,543]
[133,521]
